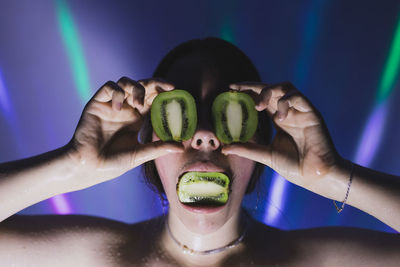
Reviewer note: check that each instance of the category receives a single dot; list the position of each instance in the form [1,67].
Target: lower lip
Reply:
[203,210]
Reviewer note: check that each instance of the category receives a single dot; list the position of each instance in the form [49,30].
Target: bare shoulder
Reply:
[69,239]
[328,246]
[346,246]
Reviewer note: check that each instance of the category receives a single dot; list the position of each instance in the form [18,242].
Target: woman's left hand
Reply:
[302,150]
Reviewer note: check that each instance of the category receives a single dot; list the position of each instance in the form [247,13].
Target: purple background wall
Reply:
[343,55]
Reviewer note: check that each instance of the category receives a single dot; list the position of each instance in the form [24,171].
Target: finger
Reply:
[252,94]
[297,120]
[270,95]
[107,113]
[157,83]
[292,100]
[252,151]
[263,100]
[105,93]
[153,150]
[254,86]
[135,90]
[300,102]
[283,108]
[117,99]
[153,88]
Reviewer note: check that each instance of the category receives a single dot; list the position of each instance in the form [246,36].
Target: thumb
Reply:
[153,150]
[252,151]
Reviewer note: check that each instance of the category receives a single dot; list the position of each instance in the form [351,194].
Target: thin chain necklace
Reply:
[191,251]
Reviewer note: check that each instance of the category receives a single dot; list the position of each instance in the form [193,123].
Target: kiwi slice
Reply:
[235,117]
[203,188]
[174,115]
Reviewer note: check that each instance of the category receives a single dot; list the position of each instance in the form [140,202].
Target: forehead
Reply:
[199,75]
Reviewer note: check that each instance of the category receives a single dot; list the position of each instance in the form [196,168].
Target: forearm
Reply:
[375,193]
[31,180]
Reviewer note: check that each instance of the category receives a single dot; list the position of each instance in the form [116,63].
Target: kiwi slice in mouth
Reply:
[174,115]
[203,188]
[235,118]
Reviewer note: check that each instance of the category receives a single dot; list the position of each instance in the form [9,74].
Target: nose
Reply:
[205,140]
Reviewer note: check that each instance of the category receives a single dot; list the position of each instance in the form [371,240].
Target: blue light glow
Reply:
[372,135]
[374,128]
[4,97]
[277,198]
[309,34]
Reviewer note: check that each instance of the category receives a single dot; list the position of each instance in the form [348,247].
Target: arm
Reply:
[29,181]
[104,146]
[303,153]
[375,193]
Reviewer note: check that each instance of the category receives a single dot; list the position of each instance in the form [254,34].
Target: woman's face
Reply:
[203,150]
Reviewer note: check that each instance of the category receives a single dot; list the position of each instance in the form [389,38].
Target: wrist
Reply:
[335,183]
[76,167]
[62,170]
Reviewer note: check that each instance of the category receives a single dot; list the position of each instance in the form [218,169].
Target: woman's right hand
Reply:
[105,144]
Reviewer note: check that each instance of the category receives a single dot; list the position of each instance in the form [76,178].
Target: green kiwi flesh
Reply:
[235,117]
[203,188]
[174,115]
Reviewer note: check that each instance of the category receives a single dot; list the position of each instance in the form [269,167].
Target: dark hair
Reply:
[234,66]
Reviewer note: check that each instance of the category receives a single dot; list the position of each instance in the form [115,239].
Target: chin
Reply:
[204,220]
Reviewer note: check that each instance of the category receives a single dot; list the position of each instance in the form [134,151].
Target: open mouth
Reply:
[203,189]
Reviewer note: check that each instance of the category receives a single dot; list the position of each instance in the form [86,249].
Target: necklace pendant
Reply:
[187,250]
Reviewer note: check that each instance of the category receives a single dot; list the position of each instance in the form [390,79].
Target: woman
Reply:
[105,145]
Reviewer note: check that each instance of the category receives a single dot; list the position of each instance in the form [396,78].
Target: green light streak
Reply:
[74,50]
[391,69]
[227,32]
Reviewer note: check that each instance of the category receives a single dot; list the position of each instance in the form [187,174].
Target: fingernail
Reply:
[137,103]
[225,152]
[280,116]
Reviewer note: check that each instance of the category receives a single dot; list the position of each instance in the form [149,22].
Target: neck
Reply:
[200,239]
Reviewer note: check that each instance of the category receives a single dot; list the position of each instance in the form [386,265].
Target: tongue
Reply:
[203,188]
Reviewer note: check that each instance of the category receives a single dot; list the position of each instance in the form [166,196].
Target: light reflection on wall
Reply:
[372,135]
[8,112]
[311,27]
[5,104]
[277,197]
[374,129]
[60,205]
[72,44]
[69,34]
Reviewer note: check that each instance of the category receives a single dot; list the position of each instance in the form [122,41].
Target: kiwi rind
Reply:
[191,198]
[189,116]
[249,115]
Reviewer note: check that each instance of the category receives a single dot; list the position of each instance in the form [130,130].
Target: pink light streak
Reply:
[60,205]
